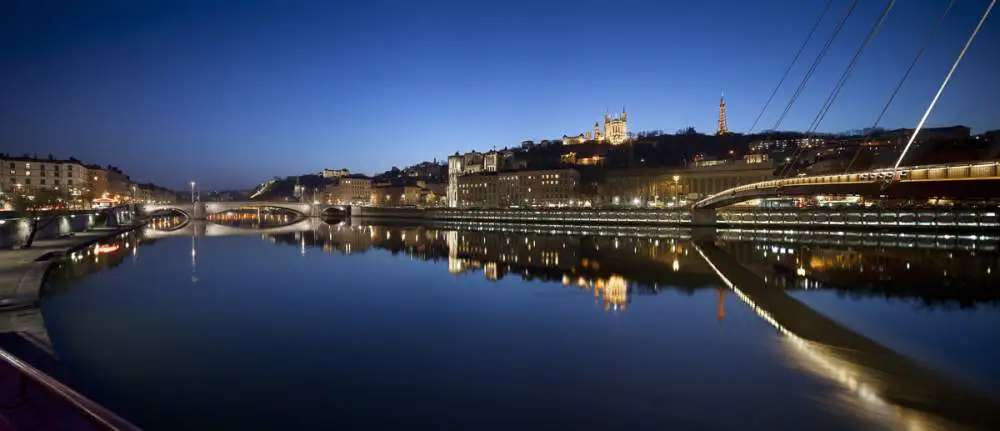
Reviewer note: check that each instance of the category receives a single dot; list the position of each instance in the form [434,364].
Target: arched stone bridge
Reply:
[199,210]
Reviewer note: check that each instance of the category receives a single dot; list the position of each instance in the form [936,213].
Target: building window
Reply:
[12,166]
[69,182]
[27,181]
[43,182]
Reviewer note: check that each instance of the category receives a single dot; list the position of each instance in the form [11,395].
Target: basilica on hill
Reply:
[615,132]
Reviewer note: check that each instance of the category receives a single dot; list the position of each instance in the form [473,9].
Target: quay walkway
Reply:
[22,271]
[30,399]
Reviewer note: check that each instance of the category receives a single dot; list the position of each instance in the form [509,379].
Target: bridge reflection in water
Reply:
[905,393]
[619,266]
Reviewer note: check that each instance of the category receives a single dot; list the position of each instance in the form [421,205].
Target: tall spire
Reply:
[723,127]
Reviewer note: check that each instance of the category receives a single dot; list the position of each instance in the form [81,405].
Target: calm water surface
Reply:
[368,327]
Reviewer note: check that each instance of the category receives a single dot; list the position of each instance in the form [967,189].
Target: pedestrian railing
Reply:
[92,412]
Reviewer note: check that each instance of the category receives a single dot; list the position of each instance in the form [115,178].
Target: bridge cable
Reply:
[850,68]
[844,76]
[788,70]
[899,85]
[944,84]
[815,64]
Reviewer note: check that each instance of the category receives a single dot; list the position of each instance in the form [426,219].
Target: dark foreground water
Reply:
[368,327]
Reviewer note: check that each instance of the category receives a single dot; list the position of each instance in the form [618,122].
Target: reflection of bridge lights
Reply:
[820,359]
[841,373]
[676,265]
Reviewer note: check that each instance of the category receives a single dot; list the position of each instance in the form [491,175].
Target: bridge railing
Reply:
[904,174]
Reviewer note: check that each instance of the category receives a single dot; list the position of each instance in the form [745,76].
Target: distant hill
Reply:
[284,189]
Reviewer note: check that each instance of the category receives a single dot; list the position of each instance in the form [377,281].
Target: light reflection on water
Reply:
[621,273]
[824,361]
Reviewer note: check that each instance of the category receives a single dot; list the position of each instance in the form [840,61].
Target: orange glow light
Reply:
[106,248]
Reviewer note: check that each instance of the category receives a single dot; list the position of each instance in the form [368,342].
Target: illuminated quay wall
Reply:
[14,231]
[855,218]
[868,217]
[575,216]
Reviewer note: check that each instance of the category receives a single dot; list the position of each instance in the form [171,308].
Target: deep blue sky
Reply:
[176,90]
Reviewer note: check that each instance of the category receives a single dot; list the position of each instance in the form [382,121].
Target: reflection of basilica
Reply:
[612,291]
[613,268]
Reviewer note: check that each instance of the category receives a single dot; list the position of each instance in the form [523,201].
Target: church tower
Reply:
[723,128]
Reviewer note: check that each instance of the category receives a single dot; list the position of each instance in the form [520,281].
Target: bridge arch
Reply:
[302,209]
[150,209]
[334,211]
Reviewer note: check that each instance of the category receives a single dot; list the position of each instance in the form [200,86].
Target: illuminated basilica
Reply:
[615,132]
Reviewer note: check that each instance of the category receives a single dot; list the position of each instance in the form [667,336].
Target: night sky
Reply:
[173,91]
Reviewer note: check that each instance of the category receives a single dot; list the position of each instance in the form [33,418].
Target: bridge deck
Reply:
[977,180]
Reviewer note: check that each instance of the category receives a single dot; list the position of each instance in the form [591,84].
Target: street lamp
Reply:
[192,192]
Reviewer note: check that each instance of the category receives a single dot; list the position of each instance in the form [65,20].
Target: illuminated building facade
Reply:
[471,163]
[518,188]
[120,186]
[615,131]
[27,175]
[754,158]
[582,159]
[397,195]
[335,173]
[350,190]
[151,193]
[98,181]
[663,186]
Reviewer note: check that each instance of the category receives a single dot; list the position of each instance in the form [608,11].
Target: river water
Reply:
[365,326]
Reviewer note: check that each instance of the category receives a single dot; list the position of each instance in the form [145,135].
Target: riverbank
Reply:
[23,271]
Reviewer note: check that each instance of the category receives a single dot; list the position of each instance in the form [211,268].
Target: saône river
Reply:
[278,324]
